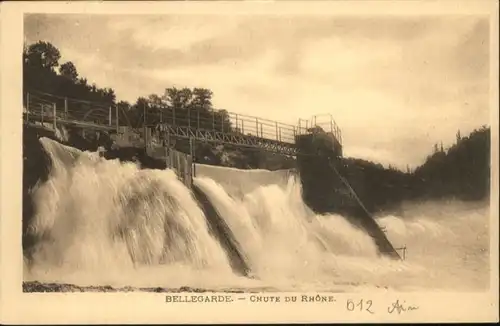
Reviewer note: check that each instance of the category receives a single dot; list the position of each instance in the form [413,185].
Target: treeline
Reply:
[43,72]
[462,171]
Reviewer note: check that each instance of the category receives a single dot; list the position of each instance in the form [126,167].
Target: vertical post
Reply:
[257,127]
[54,115]
[300,129]
[65,107]
[280,134]
[117,119]
[192,152]
[236,122]
[109,115]
[242,127]
[261,133]
[276,130]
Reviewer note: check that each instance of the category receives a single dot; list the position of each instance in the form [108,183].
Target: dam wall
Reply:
[325,191]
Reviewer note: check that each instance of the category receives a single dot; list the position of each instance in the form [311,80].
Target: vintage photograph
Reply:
[255,153]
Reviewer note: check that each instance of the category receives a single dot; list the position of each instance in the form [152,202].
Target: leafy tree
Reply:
[68,70]
[43,54]
[202,98]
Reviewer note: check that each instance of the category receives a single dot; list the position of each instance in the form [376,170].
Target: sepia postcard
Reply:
[249,162]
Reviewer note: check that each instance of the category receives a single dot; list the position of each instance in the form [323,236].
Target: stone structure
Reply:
[324,189]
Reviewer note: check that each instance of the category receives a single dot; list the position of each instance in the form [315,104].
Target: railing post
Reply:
[236,121]
[193,154]
[65,107]
[261,132]
[257,127]
[54,108]
[276,130]
[117,119]
[242,127]
[280,134]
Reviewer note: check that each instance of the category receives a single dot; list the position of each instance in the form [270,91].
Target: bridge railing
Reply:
[225,122]
[323,121]
[45,107]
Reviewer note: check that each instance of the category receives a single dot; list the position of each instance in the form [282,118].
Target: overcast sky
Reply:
[395,85]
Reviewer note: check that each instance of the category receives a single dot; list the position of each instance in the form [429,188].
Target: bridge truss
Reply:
[200,125]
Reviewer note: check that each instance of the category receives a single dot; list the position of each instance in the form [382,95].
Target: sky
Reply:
[395,85]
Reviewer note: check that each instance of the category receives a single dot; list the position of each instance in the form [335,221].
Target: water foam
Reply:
[94,215]
[106,222]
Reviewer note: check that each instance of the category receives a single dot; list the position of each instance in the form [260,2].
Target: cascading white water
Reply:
[289,245]
[104,222]
[100,219]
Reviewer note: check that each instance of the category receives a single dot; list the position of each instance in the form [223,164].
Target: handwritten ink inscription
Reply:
[360,305]
[397,307]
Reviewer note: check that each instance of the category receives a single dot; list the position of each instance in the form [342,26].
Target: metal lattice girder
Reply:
[231,138]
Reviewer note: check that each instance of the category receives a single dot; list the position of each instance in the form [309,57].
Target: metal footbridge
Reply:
[200,125]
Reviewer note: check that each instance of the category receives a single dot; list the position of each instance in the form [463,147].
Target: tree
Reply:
[68,70]
[173,97]
[155,101]
[43,54]
[202,98]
